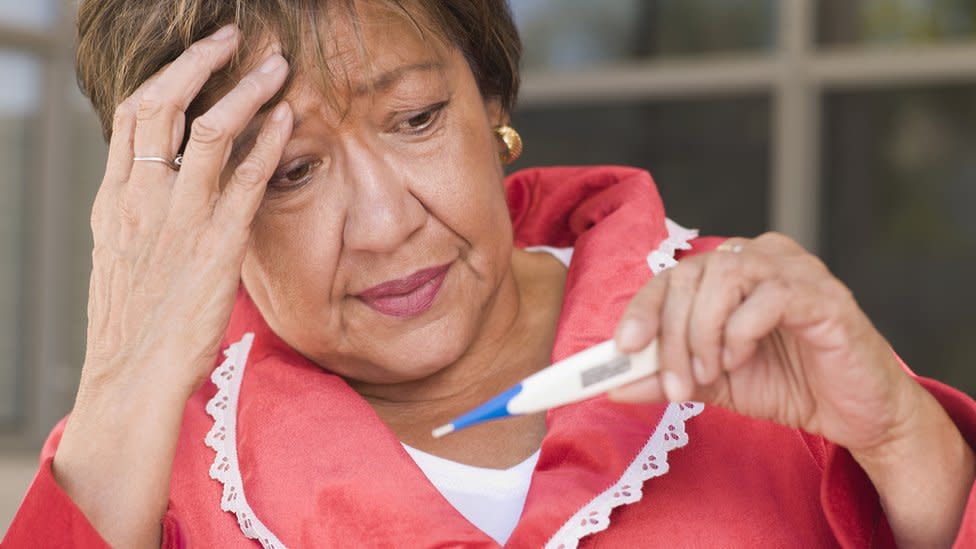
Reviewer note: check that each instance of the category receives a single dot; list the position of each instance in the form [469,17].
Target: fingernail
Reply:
[224,33]
[280,112]
[271,64]
[674,388]
[699,367]
[628,334]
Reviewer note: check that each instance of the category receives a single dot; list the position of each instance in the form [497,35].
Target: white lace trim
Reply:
[223,439]
[651,461]
[679,238]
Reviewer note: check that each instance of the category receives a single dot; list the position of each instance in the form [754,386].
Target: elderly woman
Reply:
[340,226]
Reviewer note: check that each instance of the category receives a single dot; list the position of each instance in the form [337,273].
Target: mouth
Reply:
[408,296]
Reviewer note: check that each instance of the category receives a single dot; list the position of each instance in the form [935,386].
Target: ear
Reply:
[497,116]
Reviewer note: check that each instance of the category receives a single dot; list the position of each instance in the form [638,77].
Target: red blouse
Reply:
[320,469]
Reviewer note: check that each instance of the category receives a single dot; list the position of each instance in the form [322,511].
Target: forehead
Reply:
[362,47]
[356,54]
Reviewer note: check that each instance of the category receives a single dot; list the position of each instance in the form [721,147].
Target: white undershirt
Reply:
[491,499]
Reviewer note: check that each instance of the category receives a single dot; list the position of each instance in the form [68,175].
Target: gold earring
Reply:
[513,144]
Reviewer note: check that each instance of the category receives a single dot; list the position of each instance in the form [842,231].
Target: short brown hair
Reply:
[121,43]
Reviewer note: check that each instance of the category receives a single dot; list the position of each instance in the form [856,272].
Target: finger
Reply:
[639,323]
[161,106]
[776,244]
[650,390]
[760,314]
[647,389]
[118,164]
[113,205]
[242,196]
[674,354]
[117,167]
[718,392]
[719,294]
[214,131]
[728,278]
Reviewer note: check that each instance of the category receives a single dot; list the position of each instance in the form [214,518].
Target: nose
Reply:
[382,212]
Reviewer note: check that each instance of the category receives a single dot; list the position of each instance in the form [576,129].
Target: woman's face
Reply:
[384,236]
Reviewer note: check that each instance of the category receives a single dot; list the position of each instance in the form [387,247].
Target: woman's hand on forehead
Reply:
[169,244]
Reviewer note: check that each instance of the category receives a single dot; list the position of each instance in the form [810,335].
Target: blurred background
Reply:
[848,124]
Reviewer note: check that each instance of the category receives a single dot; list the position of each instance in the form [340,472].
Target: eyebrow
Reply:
[386,80]
[382,83]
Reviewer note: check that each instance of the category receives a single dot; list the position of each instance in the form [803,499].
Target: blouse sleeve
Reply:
[851,503]
[48,518]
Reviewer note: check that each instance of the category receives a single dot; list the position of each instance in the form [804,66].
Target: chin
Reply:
[428,357]
[417,355]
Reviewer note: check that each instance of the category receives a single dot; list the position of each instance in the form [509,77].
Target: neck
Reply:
[515,341]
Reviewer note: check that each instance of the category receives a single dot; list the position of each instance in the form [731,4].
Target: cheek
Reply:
[292,257]
[484,192]
[476,211]
[472,177]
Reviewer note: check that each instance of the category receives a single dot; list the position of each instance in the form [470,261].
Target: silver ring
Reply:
[172,164]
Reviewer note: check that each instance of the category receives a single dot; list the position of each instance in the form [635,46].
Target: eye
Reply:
[295,174]
[299,173]
[422,121]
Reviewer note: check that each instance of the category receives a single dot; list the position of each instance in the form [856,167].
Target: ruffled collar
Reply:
[319,467]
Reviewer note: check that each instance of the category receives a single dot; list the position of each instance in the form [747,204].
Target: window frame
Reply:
[796,74]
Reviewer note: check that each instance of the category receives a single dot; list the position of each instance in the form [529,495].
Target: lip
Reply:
[408,296]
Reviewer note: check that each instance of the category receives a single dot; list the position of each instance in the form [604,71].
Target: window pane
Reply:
[18,118]
[709,177]
[572,33]
[895,21]
[32,13]
[900,188]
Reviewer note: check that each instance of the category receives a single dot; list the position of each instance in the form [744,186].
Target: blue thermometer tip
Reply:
[493,409]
